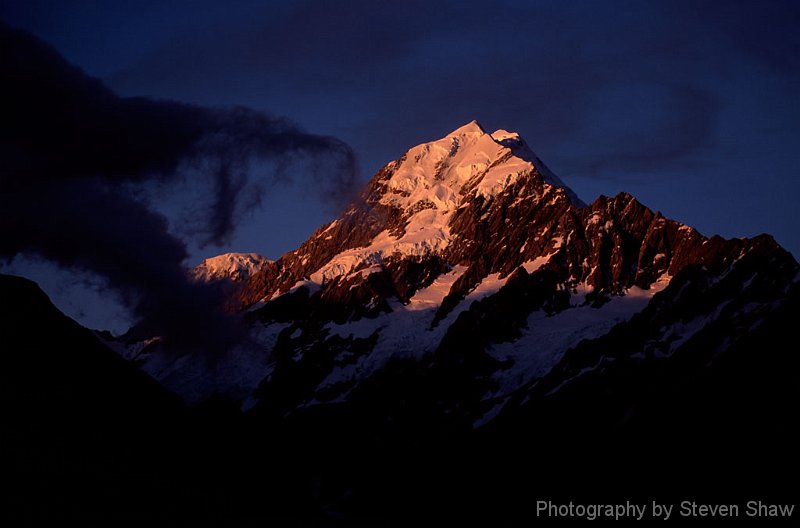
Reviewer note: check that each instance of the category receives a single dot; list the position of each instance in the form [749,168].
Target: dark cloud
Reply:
[649,127]
[416,70]
[78,162]
[764,30]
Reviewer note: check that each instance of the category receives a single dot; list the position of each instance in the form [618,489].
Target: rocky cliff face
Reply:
[469,258]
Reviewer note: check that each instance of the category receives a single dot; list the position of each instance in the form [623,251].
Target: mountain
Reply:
[466,338]
[74,414]
[467,254]
[234,266]
[87,435]
[469,322]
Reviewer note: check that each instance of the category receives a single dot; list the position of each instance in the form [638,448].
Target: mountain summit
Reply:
[467,257]
[414,205]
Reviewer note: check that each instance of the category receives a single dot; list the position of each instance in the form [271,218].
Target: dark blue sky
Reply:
[691,106]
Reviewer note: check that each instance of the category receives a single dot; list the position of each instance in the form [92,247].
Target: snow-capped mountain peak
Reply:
[465,164]
[418,204]
[473,128]
[419,195]
[233,266]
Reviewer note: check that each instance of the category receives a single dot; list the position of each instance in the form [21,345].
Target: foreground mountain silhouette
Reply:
[466,338]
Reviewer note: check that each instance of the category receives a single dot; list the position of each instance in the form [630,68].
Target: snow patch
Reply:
[533,265]
[490,285]
[425,235]
[431,296]
[407,331]
[547,337]
[311,285]
[195,379]
[490,415]
[361,329]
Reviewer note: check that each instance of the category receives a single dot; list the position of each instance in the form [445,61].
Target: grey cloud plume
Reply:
[75,158]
